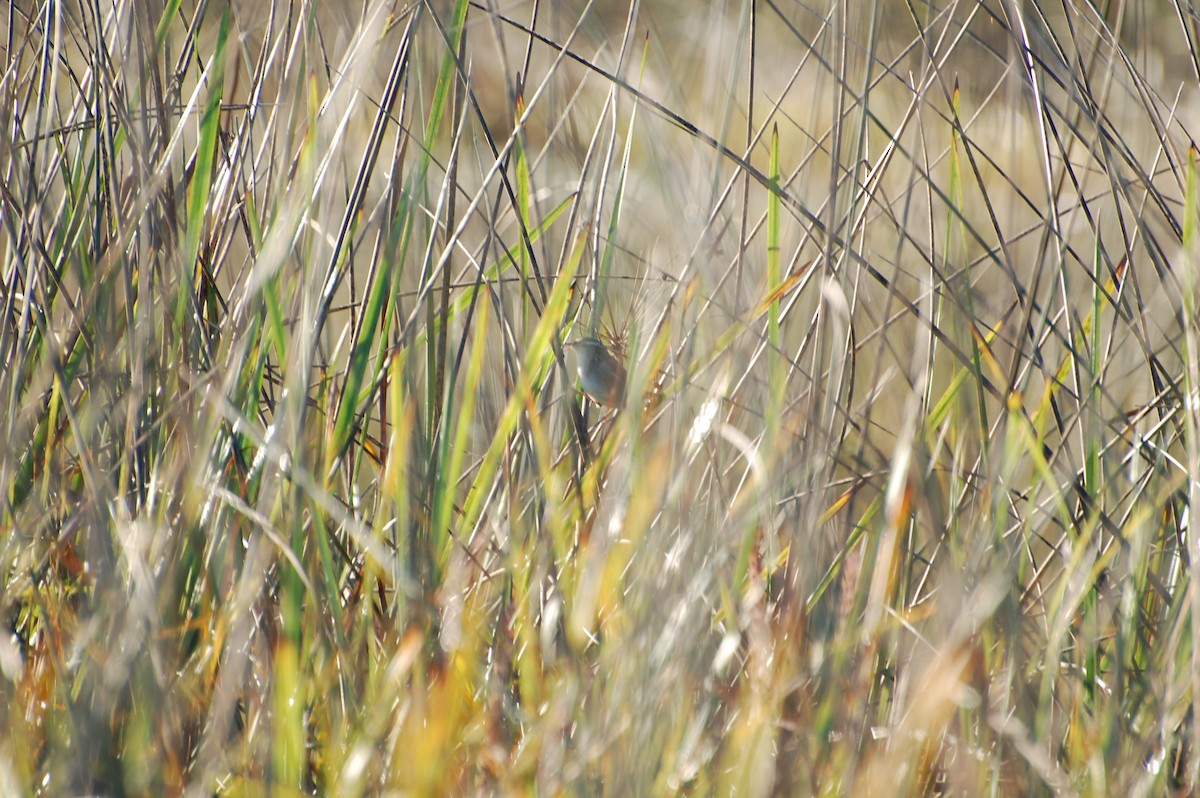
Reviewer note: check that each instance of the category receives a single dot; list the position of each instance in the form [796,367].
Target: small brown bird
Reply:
[601,373]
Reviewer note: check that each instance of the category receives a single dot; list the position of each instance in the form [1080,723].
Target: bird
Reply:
[601,372]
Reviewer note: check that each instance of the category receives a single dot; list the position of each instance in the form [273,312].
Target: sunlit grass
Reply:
[300,496]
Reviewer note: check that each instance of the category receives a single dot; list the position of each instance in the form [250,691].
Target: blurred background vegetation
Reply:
[301,497]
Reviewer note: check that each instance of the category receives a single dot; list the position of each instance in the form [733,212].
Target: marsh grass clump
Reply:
[301,495]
